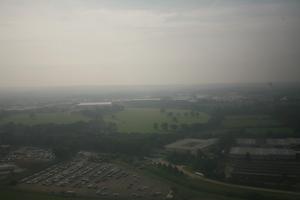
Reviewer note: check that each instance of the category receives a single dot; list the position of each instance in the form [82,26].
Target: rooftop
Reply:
[283,142]
[246,141]
[268,141]
[261,151]
[191,144]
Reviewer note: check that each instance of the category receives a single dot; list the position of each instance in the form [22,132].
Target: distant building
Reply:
[7,170]
[192,146]
[246,142]
[93,104]
[4,149]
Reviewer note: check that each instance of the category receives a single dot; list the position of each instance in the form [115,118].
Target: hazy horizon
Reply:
[136,42]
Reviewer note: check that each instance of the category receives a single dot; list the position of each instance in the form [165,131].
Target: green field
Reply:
[249,121]
[142,119]
[44,118]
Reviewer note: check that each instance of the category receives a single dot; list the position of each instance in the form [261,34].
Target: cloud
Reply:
[137,42]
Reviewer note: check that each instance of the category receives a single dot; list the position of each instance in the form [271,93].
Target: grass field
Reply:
[249,121]
[143,119]
[43,118]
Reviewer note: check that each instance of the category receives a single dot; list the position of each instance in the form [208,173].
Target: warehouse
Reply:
[263,166]
[7,170]
[192,146]
[269,142]
[286,142]
[262,153]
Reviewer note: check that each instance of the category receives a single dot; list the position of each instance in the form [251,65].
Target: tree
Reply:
[162,110]
[155,126]
[32,115]
[184,127]
[175,119]
[165,126]
[192,113]
[248,156]
[174,126]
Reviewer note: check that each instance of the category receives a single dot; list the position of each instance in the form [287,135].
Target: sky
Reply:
[140,42]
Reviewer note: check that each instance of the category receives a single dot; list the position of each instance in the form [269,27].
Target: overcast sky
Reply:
[95,42]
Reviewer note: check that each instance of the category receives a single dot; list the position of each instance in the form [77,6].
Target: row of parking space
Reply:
[30,154]
[93,178]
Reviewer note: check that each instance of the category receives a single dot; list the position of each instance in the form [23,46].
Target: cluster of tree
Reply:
[98,113]
[180,128]
[170,168]
[289,115]
[92,135]
[199,162]
[165,126]
[192,113]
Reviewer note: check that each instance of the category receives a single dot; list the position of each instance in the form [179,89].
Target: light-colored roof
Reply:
[261,151]
[191,144]
[245,141]
[268,141]
[283,142]
[108,103]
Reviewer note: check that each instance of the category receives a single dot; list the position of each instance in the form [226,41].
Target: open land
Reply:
[143,119]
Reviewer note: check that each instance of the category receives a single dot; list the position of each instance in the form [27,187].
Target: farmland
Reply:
[143,119]
[44,118]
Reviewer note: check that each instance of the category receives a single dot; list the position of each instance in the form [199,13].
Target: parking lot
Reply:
[29,154]
[81,177]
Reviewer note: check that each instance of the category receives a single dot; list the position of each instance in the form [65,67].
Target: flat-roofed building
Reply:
[191,145]
[7,170]
[269,142]
[262,153]
[4,149]
[283,142]
[246,142]
[264,161]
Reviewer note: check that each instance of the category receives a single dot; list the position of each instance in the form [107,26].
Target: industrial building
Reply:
[269,142]
[191,146]
[7,170]
[4,149]
[262,153]
[265,162]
